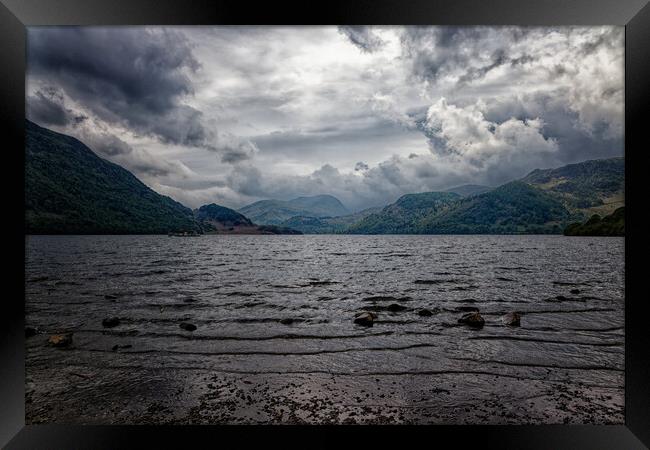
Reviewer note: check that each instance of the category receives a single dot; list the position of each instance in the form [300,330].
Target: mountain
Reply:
[327,225]
[544,201]
[71,190]
[467,190]
[513,208]
[215,219]
[595,186]
[406,214]
[274,212]
[611,225]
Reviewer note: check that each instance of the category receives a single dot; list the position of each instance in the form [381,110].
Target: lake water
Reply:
[565,363]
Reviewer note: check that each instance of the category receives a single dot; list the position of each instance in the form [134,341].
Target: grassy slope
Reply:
[69,189]
[611,225]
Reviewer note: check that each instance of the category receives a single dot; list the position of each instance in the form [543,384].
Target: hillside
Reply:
[215,219]
[513,208]
[611,225]
[544,201]
[327,225]
[71,190]
[405,215]
[274,212]
[595,186]
[468,190]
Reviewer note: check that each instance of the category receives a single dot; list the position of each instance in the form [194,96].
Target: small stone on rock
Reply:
[365,318]
[472,319]
[512,319]
[60,340]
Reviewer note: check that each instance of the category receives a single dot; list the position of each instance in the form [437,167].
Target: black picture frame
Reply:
[15,15]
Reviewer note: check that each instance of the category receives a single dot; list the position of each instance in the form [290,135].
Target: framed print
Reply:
[348,218]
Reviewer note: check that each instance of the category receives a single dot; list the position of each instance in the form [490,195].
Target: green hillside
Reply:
[70,190]
[468,190]
[544,201]
[611,225]
[406,214]
[221,220]
[327,225]
[595,186]
[274,212]
[513,208]
[224,216]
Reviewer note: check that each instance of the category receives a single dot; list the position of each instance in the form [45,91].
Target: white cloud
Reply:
[465,133]
[261,112]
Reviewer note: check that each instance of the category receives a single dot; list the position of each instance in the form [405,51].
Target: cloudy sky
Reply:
[235,114]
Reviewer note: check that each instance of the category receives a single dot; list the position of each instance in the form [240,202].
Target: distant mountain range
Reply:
[70,190]
[544,201]
[274,212]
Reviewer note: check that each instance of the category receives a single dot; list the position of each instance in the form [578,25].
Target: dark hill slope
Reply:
[70,190]
[327,225]
[612,225]
[405,215]
[586,187]
[221,220]
[513,208]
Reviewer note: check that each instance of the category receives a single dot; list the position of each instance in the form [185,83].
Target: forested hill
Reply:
[71,190]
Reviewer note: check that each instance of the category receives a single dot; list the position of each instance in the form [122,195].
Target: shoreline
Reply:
[208,398]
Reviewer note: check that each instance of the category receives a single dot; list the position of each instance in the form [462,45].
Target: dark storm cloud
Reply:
[431,49]
[139,161]
[106,144]
[237,151]
[361,167]
[561,123]
[607,39]
[133,77]
[364,113]
[47,107]
[499,58]
[434,51]
[363,37]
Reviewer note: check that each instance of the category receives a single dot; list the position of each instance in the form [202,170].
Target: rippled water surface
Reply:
[245,364]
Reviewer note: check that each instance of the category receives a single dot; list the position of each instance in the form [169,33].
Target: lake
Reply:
[275,340]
